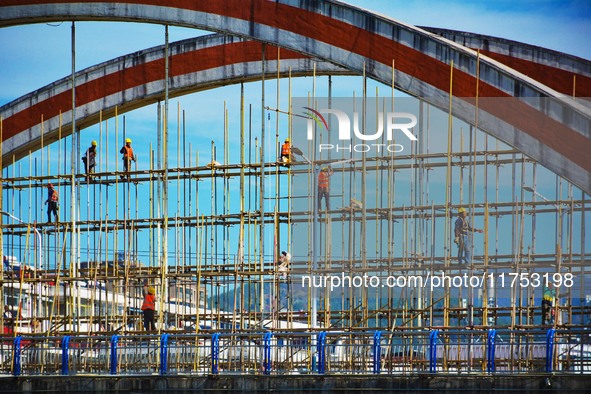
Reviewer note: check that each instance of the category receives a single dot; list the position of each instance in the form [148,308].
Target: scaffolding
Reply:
[213,253]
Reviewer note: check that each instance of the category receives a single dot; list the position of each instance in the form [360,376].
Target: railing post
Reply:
[433,351]
[16,361]
[113,355]
[320,349]
[490,350]
[267,353]
[164,354]
[65,359]
[215,353]
[550,349]
[377,352]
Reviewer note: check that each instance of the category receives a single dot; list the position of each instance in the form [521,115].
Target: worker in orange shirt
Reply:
[149,307]
[286,151]
[51,202]
[324,186]
[128,156]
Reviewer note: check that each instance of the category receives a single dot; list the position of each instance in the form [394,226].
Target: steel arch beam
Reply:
[557,134]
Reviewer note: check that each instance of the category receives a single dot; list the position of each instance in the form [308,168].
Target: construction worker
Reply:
[128,156]
[8,320]
[284,260]
[324,186]
[51,202]
[286,151]
[548,298]
[463,238]
[89,160]
[149,307]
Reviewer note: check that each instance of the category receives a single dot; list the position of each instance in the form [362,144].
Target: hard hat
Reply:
[325,168]
[128,140]
[50,185]
[151,290]
[287,140]
[460,210]
[93,143]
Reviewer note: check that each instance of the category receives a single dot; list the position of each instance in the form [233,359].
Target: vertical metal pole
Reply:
[73,155]
[262,183]
[164,261]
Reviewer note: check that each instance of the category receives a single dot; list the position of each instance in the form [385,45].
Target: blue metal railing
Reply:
[65,356]
[377,352]
[490,350]
[400,352]
[164,354]
[433,351]
[113,354]
[215,354]
[16,358]
[550,349]
[267,353]
[321,351]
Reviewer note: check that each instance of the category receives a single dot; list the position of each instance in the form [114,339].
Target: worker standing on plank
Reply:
[324,187]
[89,160]
[128,156]
[463,238]
[51,202]
[286,151]
[149,307]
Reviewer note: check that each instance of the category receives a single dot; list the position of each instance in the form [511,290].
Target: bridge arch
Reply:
[357,39]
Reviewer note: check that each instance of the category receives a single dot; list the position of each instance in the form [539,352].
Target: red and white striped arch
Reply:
[557,135]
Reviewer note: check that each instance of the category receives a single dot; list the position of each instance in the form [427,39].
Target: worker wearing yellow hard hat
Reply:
[463,238]
[286,151]
[89,160]
[148,308]
[128,156]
